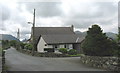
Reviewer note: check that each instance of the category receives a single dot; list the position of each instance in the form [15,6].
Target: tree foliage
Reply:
[28,46]
[13,43]
[5,44]
[97,43]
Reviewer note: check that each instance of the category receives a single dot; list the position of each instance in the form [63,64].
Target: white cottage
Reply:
[53,38]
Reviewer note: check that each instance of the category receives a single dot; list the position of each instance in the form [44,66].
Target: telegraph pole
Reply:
[18,37]
[18,34]
[33,39]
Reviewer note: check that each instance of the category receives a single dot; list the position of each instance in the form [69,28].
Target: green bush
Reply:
[63,50]
[72,52]
[22,45]
[28,46]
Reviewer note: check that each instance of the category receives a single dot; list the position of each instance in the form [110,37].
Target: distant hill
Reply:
[7,37]
[109,34]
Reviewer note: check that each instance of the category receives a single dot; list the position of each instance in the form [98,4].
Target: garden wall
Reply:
[109,63]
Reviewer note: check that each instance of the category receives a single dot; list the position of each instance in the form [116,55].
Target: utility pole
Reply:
[33,39]
[18,34]
[18,37]
[33,33]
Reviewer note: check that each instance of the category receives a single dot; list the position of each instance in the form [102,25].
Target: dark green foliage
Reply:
[49,49]
[22,45]
[13,43]
[5,44]
[28,47]
[97,43]
[72,52]
[63,50]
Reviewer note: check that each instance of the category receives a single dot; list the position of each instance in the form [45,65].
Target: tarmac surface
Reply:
[17,61]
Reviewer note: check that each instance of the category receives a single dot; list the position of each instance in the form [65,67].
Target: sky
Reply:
[57,13]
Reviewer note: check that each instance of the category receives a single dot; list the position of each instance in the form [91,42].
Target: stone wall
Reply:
[108,63]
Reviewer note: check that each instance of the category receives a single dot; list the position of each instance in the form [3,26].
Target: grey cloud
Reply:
[5,12]
[104,9]
[119,14]
[44,9]
[105,15]
[4,15]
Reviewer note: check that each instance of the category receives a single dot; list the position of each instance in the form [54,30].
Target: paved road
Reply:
[22,62]
[0,57]
[0,64]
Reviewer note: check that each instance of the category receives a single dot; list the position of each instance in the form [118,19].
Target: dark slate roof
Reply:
[38,31]
[53,30]
[61,39]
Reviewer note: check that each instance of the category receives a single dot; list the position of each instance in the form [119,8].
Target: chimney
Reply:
[72,26]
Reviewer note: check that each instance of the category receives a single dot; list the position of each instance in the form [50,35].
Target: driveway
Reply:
[17,61]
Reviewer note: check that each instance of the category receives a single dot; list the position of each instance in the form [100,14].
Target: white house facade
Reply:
[53,38]
[43,45]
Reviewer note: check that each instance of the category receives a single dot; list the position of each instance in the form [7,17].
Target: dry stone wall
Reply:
[109,63]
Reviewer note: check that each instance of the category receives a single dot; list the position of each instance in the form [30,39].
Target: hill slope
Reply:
[7,37]
[109,34]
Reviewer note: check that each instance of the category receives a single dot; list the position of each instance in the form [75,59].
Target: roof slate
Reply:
[61,39]
[38,31]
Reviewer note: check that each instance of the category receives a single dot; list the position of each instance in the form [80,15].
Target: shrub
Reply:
[63,50]
[49,49]
[72,52]
[28,46]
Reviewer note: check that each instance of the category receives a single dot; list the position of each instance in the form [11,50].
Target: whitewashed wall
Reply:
[41,45]
[61,46]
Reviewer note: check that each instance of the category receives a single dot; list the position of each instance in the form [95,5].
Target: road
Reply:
[0,56]
[17,61]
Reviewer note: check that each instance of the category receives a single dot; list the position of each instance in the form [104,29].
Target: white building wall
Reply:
[48,46]
[41,45]
[70,46]
[61,46]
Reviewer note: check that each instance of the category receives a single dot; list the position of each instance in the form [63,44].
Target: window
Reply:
[65,45]
[55,46]
[45,44]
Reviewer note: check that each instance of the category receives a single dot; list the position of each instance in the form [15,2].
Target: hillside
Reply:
[7,37]
[109,34]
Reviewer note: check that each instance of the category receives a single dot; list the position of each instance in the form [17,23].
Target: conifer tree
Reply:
[96,43]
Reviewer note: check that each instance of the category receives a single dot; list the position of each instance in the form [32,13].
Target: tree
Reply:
[28,46]
[5,44]
[96,43]
[13,43]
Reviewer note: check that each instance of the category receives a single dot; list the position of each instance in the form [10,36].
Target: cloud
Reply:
[44,9]
[57,14]
[5,12]
[83,15]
